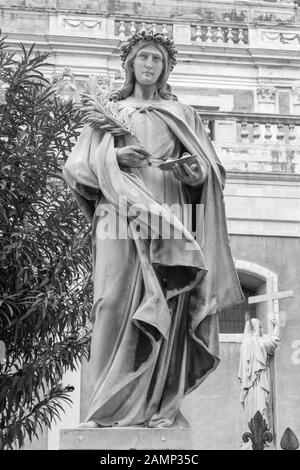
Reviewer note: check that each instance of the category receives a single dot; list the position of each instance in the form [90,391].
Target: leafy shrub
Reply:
[45,265]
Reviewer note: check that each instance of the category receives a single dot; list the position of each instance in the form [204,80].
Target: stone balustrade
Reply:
[255,142]
[126,28]
[219,34]
[192,33]
[255,127]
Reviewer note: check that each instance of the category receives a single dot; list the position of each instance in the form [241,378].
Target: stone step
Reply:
[179,436]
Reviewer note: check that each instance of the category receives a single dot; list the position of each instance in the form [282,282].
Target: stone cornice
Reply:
[174,9]
[249,117]
[262,176]
[266,14]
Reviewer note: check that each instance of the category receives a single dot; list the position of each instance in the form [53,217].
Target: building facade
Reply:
[239,66]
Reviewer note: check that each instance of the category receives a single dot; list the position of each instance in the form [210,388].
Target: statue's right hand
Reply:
[132,156]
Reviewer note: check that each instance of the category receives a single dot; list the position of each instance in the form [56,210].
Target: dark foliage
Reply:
[45,265]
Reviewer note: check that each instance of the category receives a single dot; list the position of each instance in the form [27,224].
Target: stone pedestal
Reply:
[179,436]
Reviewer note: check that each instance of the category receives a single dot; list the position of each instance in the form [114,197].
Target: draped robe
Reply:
[156,298]
[254,373]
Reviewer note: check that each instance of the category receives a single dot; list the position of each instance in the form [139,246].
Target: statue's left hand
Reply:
[192,175]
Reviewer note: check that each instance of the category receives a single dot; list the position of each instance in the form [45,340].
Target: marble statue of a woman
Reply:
[254,370]
[156,297]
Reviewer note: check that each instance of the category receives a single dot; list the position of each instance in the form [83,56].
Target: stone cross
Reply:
[269,297]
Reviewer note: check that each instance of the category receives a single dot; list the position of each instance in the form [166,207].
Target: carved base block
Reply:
[179,436]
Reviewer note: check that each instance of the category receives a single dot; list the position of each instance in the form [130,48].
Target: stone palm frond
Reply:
[102,114]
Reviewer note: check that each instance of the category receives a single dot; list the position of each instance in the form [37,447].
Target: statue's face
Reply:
[148,65]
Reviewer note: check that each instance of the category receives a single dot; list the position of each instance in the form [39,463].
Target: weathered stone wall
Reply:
[281,255]
[19,22]
[213,409]
[219,11]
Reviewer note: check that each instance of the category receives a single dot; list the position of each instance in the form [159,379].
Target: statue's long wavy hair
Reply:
[163,88]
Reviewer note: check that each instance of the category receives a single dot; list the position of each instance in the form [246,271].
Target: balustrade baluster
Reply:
[268,133]
[164,29]
[280,134]
[122,30]
[244,131]
[198,33]
[132,28]
[209,36]
[219,35]
[230,36]
[291,132]
[256,131]
[241,39]
[143,27]
[154,28]
[214,34]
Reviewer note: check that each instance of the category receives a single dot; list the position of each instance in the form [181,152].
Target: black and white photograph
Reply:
[149,228]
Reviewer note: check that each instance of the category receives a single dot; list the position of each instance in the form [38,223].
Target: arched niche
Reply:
[255,280]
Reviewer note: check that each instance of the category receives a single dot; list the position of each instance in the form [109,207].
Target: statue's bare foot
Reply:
[89,424]
[161,423]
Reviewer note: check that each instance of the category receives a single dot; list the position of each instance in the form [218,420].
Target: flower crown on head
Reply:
[161,38]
